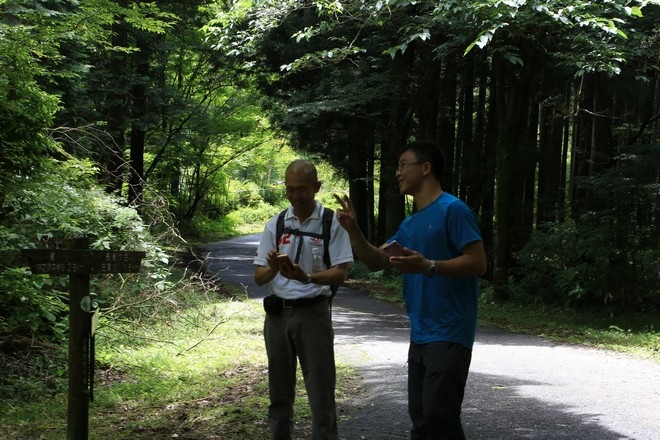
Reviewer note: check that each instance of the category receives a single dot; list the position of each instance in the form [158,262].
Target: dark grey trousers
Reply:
[304,334]
[437,374]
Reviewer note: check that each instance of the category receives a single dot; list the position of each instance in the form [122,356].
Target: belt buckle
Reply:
[284,303]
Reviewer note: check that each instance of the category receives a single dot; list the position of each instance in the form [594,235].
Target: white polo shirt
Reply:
[340,251]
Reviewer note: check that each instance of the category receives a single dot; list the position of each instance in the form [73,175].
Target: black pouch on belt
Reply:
[273,305]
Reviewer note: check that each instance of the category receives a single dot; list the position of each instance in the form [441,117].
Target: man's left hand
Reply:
[294,272]
[410,262]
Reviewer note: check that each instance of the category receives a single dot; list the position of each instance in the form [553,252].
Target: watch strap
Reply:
[432,269]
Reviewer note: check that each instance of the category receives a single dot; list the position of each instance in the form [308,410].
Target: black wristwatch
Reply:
[432,270]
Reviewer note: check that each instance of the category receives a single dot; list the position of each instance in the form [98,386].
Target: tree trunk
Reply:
[550,185]
[489,167]
[116,101]
[581,144]
[565,148]
[139,112]
[360,172]
[426,94]
[447,124]
[512,101]
[469,156]
[525,159]
[391,208]
[503,193]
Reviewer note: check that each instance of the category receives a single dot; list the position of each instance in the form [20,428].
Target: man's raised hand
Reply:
[346,214]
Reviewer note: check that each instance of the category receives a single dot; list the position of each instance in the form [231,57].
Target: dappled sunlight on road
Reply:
[614,391]
[519,387]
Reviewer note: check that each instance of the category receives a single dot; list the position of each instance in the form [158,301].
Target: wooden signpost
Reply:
[79,263]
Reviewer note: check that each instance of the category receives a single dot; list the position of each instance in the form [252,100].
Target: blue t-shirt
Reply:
[440,308]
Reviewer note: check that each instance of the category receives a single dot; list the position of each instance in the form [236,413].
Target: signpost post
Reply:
[79,263]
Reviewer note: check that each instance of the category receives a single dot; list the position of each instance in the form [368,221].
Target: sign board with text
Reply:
[79,263]
[68,261]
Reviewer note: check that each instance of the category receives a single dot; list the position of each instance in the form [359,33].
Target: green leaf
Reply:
[513,58]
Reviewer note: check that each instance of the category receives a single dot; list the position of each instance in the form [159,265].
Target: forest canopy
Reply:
[548,112]
[138,123]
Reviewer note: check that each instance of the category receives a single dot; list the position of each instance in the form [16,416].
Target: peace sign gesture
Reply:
[346,214]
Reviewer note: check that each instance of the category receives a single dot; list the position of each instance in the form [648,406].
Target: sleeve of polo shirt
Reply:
[340,244]
[267,242]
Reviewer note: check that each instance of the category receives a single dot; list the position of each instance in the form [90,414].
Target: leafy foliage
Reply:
[214,149]
[609,257]
[26,110]
[49,210]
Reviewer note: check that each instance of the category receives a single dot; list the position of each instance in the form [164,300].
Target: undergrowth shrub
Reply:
[609,256]
[260,213]
[49,210]
[573,265]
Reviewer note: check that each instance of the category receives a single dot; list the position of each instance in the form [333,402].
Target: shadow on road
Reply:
[520,386]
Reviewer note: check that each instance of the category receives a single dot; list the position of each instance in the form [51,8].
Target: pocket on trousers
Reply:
[273,305]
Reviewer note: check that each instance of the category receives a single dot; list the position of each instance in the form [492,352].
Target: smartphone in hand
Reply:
[284,261]
[393,249]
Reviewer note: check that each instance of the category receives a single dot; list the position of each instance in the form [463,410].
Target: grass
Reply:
[199,373]
[635,333]
[632,333]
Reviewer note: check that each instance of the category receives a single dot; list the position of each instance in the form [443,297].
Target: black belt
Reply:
[302,302]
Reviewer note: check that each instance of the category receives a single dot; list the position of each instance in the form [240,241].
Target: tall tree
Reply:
[516,132]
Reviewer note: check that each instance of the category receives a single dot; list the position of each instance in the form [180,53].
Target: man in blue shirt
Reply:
[441,259]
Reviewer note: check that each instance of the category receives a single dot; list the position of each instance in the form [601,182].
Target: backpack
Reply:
[327,224]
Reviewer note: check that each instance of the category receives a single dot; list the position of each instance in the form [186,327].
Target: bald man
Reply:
[298,324]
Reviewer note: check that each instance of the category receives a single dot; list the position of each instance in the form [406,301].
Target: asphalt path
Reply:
[519,387]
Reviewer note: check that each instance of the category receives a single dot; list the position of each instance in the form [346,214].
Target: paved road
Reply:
[520,387]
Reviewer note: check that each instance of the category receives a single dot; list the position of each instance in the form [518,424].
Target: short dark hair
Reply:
[427,151]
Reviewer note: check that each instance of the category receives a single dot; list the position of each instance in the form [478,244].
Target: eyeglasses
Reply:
[402,165]
[298,191]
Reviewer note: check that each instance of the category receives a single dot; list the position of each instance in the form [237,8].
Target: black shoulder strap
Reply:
[279,229]
[327,226]
[328,214]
